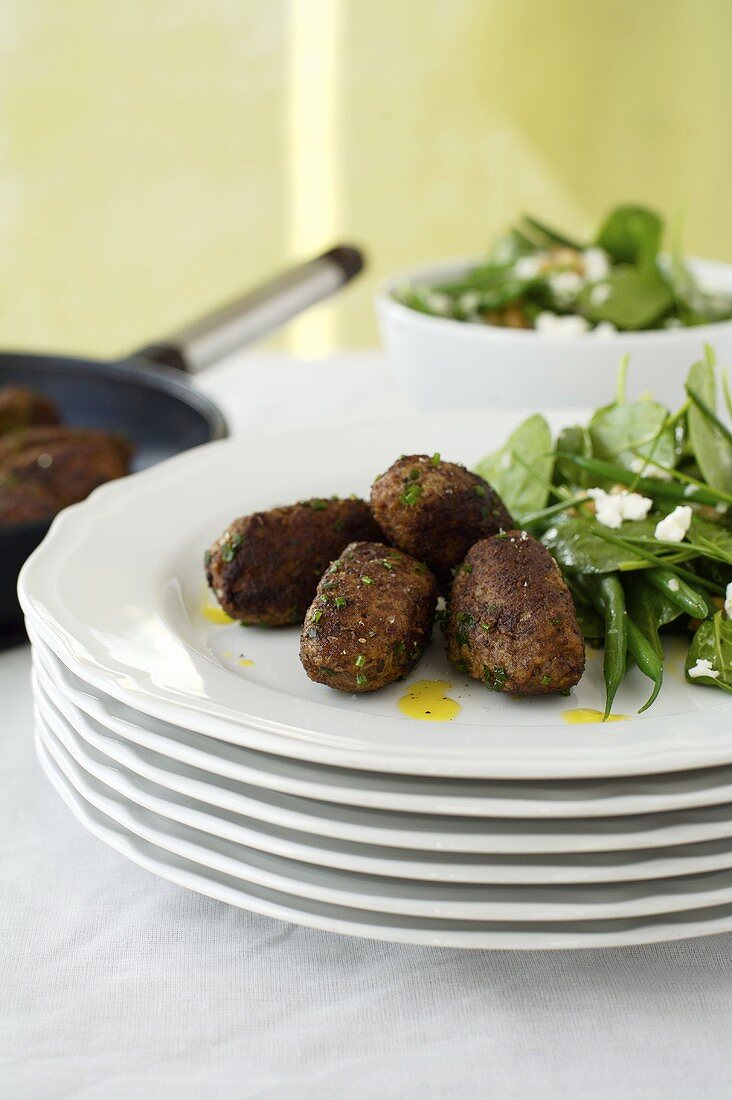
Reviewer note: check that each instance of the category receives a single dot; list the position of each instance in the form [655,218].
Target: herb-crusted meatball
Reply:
[44,469]
[436,510]
[511,622]
[370,619]
[21,408]
[265,568]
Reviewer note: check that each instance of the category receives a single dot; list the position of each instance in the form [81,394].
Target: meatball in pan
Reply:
[21,407]
[370,619]
[511,621]
[265,567]
[436,510]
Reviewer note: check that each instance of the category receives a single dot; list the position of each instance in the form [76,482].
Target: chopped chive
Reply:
[387,564]
[339,524]
[340,601]
[398,648]
[414,474]
[366,580]
[467,568]
[361,679]
[230,547]
[420,567]
[329,671]
[435,460]
[360,660]
[318,505]
[316,616]
[335,566]
[479,490]
[328,584]
[546,680]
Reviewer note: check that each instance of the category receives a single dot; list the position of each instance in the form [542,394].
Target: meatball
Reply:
[21,408]
[370,619]
[511,621]
[265,568]
[68,462]
[436,510]
[25,501]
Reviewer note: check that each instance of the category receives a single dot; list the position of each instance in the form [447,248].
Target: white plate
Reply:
[216,805]
[464,797]
[508,936]
[117,587]
[395,862]
[394,897]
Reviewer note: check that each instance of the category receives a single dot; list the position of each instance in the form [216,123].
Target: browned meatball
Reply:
[21,407]
[68,462]
[511,621]
[265,568]
[370,619]
[436,510]
[25,501]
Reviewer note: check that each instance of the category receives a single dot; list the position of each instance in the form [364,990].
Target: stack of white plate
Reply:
[200,750]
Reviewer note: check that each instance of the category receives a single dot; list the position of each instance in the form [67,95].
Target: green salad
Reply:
[538,278]
[635,508]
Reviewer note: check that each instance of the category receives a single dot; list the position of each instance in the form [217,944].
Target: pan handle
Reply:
[257,313]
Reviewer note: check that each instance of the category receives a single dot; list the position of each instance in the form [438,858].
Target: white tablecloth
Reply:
[117,985]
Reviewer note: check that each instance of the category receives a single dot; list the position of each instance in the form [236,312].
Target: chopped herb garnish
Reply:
[340,601]
[545,681]
[335,566]
[328,584]
[318,505]
[316,616]
[494,678]
[411,494]
[488,627]
[435,460]
[461,666]
[420,567]
[414,474]
[230,547]
[479,490]
[398,649]
[360,660]
[339,524]
[387,564]
[366,580]
[328,671]
[467,568]
[361,679]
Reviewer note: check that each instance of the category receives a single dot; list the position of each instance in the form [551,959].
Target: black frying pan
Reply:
[146,396]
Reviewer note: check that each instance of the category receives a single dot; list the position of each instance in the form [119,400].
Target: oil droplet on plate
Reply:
[427,702]
[214,614]
[245,662]
[581,716]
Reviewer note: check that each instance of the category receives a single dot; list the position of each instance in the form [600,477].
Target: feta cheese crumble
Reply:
[728,601]
[605,328]
[703,668]
[674,526]
[565,285]
[552,324]
[612,508]
[596,264]
[528,267]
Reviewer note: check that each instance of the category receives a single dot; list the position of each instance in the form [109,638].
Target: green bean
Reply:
[685,491]
[612,603]
[646,657]
[678,592]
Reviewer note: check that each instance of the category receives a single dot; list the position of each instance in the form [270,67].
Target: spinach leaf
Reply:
[574,440]
[717,536]
[577,549]
[521,470]
[632,235]
[711,447]
[636,298]
[621,432]
[712,642]
[544,236]
[648,608]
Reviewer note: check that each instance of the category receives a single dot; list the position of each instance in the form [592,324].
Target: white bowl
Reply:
[444,363]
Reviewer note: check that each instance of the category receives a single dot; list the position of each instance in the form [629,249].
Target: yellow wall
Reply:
[160,155]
